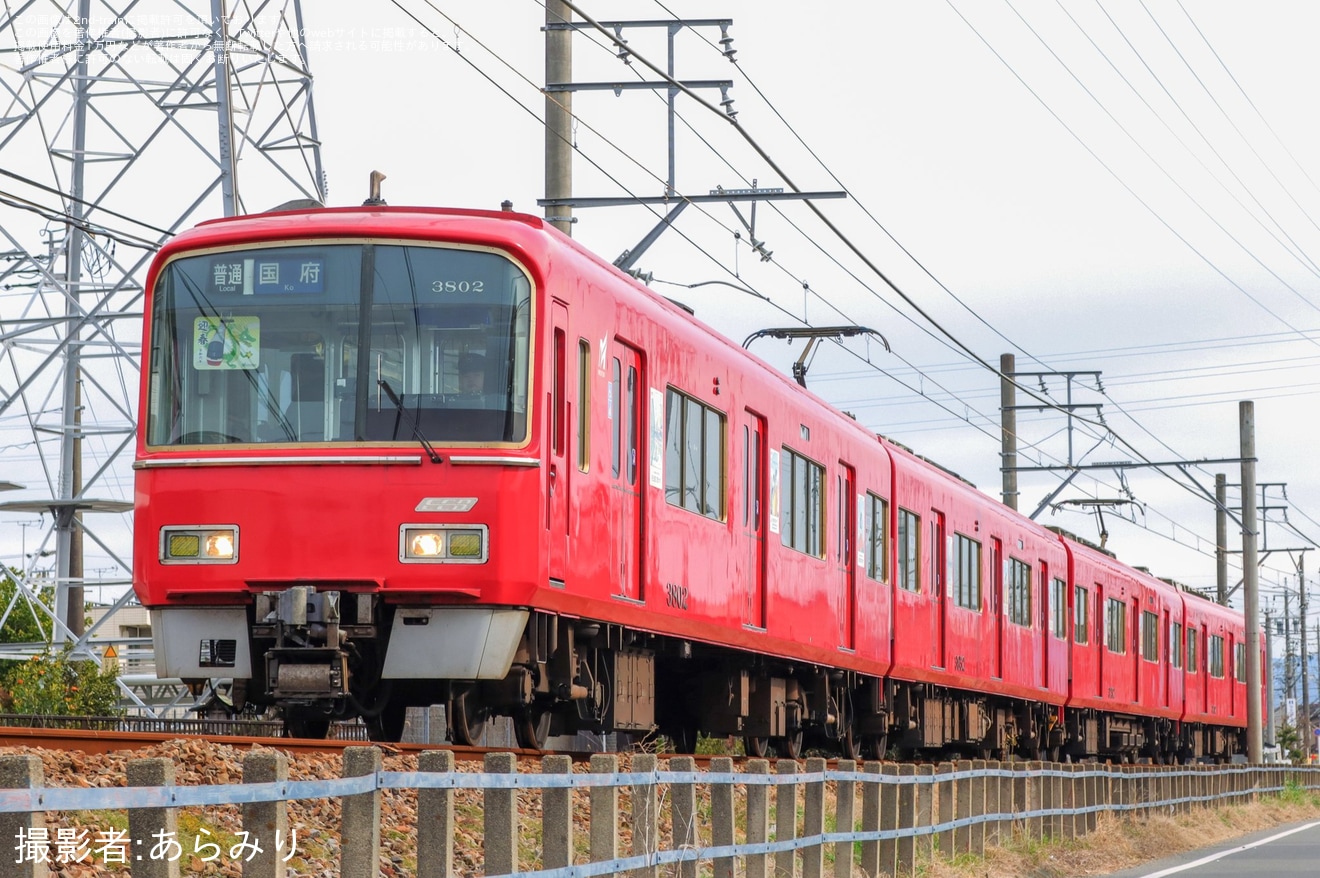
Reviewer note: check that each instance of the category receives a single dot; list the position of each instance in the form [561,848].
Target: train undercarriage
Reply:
[322,657]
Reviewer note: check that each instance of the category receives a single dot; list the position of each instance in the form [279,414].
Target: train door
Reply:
[625,414]
[996,607]
[847,558]
[1229,666]
[557,441]
[1138,663]
[1046,630]
[1165,657]
[939,552]
[1101,626]
[754,516]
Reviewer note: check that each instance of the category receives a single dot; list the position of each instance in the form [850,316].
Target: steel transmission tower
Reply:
[121,123]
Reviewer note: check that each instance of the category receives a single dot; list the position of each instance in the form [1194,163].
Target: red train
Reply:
[414,456]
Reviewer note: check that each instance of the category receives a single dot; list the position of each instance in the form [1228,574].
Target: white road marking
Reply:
[1219,856]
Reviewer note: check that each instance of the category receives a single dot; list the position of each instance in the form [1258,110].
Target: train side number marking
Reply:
[676,596]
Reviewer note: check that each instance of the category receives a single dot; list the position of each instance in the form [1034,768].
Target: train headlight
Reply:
[199,544]
[443,543]
[426,544]
[219,545]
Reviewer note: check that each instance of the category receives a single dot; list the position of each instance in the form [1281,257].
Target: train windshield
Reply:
[307,343]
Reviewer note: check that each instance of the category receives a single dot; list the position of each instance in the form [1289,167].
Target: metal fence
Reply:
[788,818]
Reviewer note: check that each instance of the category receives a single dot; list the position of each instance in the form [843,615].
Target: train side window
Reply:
[560,379]
[584,405]
[1215,656]
[1081,606]
[1150,636]
[615,418]
[1175,645]
[1059,608]
[909,551]
[1191,651]
[1240,662]
[1019,592]
[1116,626]
[694,455]
[803,484]
[713,463]
[876,529]
[967,572]
[751,477]
[631,413]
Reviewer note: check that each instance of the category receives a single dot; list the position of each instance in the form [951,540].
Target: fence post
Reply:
[21,773]
[786,797]
[925,844]
[501,817]
[992,790]
[1071,800]
[977,808]
[907,819]
[1048,802]
[435,818]
[144,824]
[1035,800]
[845,792]
[645,814]
[684,814]
[870,820]
[758,817]
[604,811]
[1002,803]
[721,816]
[888,818]
[556,816]
[813,821]
[962,836]
[947,804]
[268,821]
[1020,802]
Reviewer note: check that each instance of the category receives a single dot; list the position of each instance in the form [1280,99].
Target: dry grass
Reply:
[1119,844]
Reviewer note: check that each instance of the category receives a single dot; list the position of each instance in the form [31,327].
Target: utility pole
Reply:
[1008,418]
[1251,578]
[1289,664]
[1306,674]
[559,115]
[1221,538]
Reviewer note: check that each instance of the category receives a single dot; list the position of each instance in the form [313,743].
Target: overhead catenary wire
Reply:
[633,53]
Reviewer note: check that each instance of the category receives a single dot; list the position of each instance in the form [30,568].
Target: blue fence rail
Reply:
[767,818]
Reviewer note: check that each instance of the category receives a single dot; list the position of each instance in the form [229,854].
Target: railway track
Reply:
[111,740]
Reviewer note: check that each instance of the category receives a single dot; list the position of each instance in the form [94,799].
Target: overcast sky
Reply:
[1121,187]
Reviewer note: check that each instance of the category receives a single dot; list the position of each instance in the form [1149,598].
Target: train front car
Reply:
[338,496]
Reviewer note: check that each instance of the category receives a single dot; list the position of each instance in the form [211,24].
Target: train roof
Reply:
[457,224]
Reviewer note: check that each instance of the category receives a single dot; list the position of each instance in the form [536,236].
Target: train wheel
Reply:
[467,718]
[531,726]
[850,745]
[756,746]
[790,746]
[876,747]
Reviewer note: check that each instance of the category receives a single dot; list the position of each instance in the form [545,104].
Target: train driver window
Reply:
[298,343]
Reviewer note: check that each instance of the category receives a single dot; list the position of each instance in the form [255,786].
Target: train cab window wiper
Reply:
[416,430]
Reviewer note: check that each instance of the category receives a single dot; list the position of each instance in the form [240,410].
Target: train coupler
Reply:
[307,674]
